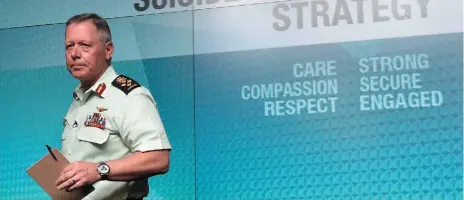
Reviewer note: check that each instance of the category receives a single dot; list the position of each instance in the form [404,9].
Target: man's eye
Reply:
[69,46]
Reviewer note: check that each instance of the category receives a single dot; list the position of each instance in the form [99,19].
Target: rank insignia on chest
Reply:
[95,120]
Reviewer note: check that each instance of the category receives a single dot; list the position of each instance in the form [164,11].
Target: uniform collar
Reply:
[99,88]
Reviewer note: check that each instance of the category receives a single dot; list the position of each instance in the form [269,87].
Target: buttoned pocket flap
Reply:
[64,136]
[94,135]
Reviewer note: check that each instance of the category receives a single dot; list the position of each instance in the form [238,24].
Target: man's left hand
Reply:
[78,174]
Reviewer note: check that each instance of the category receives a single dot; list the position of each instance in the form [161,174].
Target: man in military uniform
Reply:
[113,134]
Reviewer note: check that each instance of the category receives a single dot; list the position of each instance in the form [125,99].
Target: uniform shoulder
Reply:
[125,84]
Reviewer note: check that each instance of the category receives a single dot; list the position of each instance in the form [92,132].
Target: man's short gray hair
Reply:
[99,22]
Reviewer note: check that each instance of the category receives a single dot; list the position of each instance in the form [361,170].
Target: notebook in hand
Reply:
[47,170]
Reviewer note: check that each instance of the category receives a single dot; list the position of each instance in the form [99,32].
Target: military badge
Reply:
[100,89]
[125,83]
[95,120]
[100,109]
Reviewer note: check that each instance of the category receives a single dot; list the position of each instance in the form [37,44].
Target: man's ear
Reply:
[109,48]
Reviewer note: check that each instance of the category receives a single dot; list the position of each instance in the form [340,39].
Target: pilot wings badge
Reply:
[101,109]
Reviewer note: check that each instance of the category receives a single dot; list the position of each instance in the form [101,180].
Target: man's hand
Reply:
[78,174]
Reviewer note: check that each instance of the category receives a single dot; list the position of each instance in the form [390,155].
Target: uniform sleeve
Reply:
[141,126]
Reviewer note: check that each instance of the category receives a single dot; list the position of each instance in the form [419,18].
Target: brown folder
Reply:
[47,170]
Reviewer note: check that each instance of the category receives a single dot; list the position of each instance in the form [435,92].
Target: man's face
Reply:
[86,53]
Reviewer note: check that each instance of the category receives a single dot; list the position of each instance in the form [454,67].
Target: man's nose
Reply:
[75,53]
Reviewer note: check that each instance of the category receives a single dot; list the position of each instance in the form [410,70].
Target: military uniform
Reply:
[114,118]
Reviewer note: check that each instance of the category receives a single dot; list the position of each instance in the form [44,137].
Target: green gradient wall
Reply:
[198,61]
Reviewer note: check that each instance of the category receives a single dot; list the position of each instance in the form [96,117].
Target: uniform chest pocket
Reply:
[94,135]
[66,130]
[64,135]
